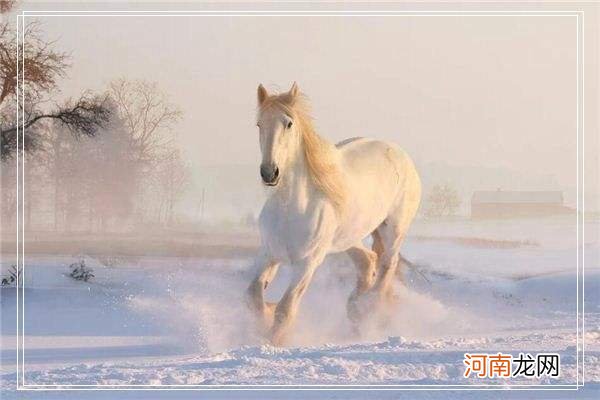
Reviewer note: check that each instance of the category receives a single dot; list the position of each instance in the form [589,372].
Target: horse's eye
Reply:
[289,124]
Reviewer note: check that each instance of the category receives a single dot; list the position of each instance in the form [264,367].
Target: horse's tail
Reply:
[403,261]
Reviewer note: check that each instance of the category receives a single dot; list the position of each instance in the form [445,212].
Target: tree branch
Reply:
[84,117]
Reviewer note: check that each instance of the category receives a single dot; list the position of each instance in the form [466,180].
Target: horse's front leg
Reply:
[287,308]
[266,270]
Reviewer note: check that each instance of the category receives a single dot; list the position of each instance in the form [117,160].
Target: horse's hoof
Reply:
[371,303]
[266,318]
[269,314]
[278,339]
[390,299]
[359,306]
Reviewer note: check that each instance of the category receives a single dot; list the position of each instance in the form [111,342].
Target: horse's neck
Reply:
[296,184]
[296,188]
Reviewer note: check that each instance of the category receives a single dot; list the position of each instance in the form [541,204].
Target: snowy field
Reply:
[480,287]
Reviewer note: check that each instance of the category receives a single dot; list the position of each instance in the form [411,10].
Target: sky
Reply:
[490,92]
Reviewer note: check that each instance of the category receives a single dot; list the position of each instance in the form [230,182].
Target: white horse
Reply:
[326,199]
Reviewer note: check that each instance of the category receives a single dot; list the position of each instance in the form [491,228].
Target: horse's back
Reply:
[344,142]
[361,152]
[382,179]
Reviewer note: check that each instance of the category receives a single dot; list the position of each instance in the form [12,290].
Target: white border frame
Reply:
[580,252]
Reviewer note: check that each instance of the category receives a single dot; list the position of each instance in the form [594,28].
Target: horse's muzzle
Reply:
[269,174]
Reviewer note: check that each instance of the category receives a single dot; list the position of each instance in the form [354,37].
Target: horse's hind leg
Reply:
[392,237]
[267,269]
[366,263]
[378,247]
[391,234]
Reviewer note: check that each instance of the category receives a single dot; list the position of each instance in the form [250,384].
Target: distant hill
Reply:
[232,192]
[469,179]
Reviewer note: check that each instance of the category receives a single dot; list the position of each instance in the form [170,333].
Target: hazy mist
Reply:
[495,95]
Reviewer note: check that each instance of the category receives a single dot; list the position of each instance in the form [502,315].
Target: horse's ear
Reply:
[294,90]
[262,94]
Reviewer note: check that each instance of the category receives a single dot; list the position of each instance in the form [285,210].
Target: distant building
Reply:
[510,204]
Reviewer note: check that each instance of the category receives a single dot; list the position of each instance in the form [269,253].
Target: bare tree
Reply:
[442,201]
[6,6]
[147,114]
[173,179]
[149,118]
[91,177]
[42,67]
[8,199]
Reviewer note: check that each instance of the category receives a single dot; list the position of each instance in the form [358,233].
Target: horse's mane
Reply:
[321,156]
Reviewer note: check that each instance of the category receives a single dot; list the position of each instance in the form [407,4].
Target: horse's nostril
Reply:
[263,173]
[269,173]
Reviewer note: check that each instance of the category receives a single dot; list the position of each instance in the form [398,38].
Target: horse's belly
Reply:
[369,207]
[356,227]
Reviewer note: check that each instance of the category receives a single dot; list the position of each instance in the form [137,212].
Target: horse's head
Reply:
[279,136]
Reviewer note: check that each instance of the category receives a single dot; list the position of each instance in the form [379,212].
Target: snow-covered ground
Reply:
[480,287]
